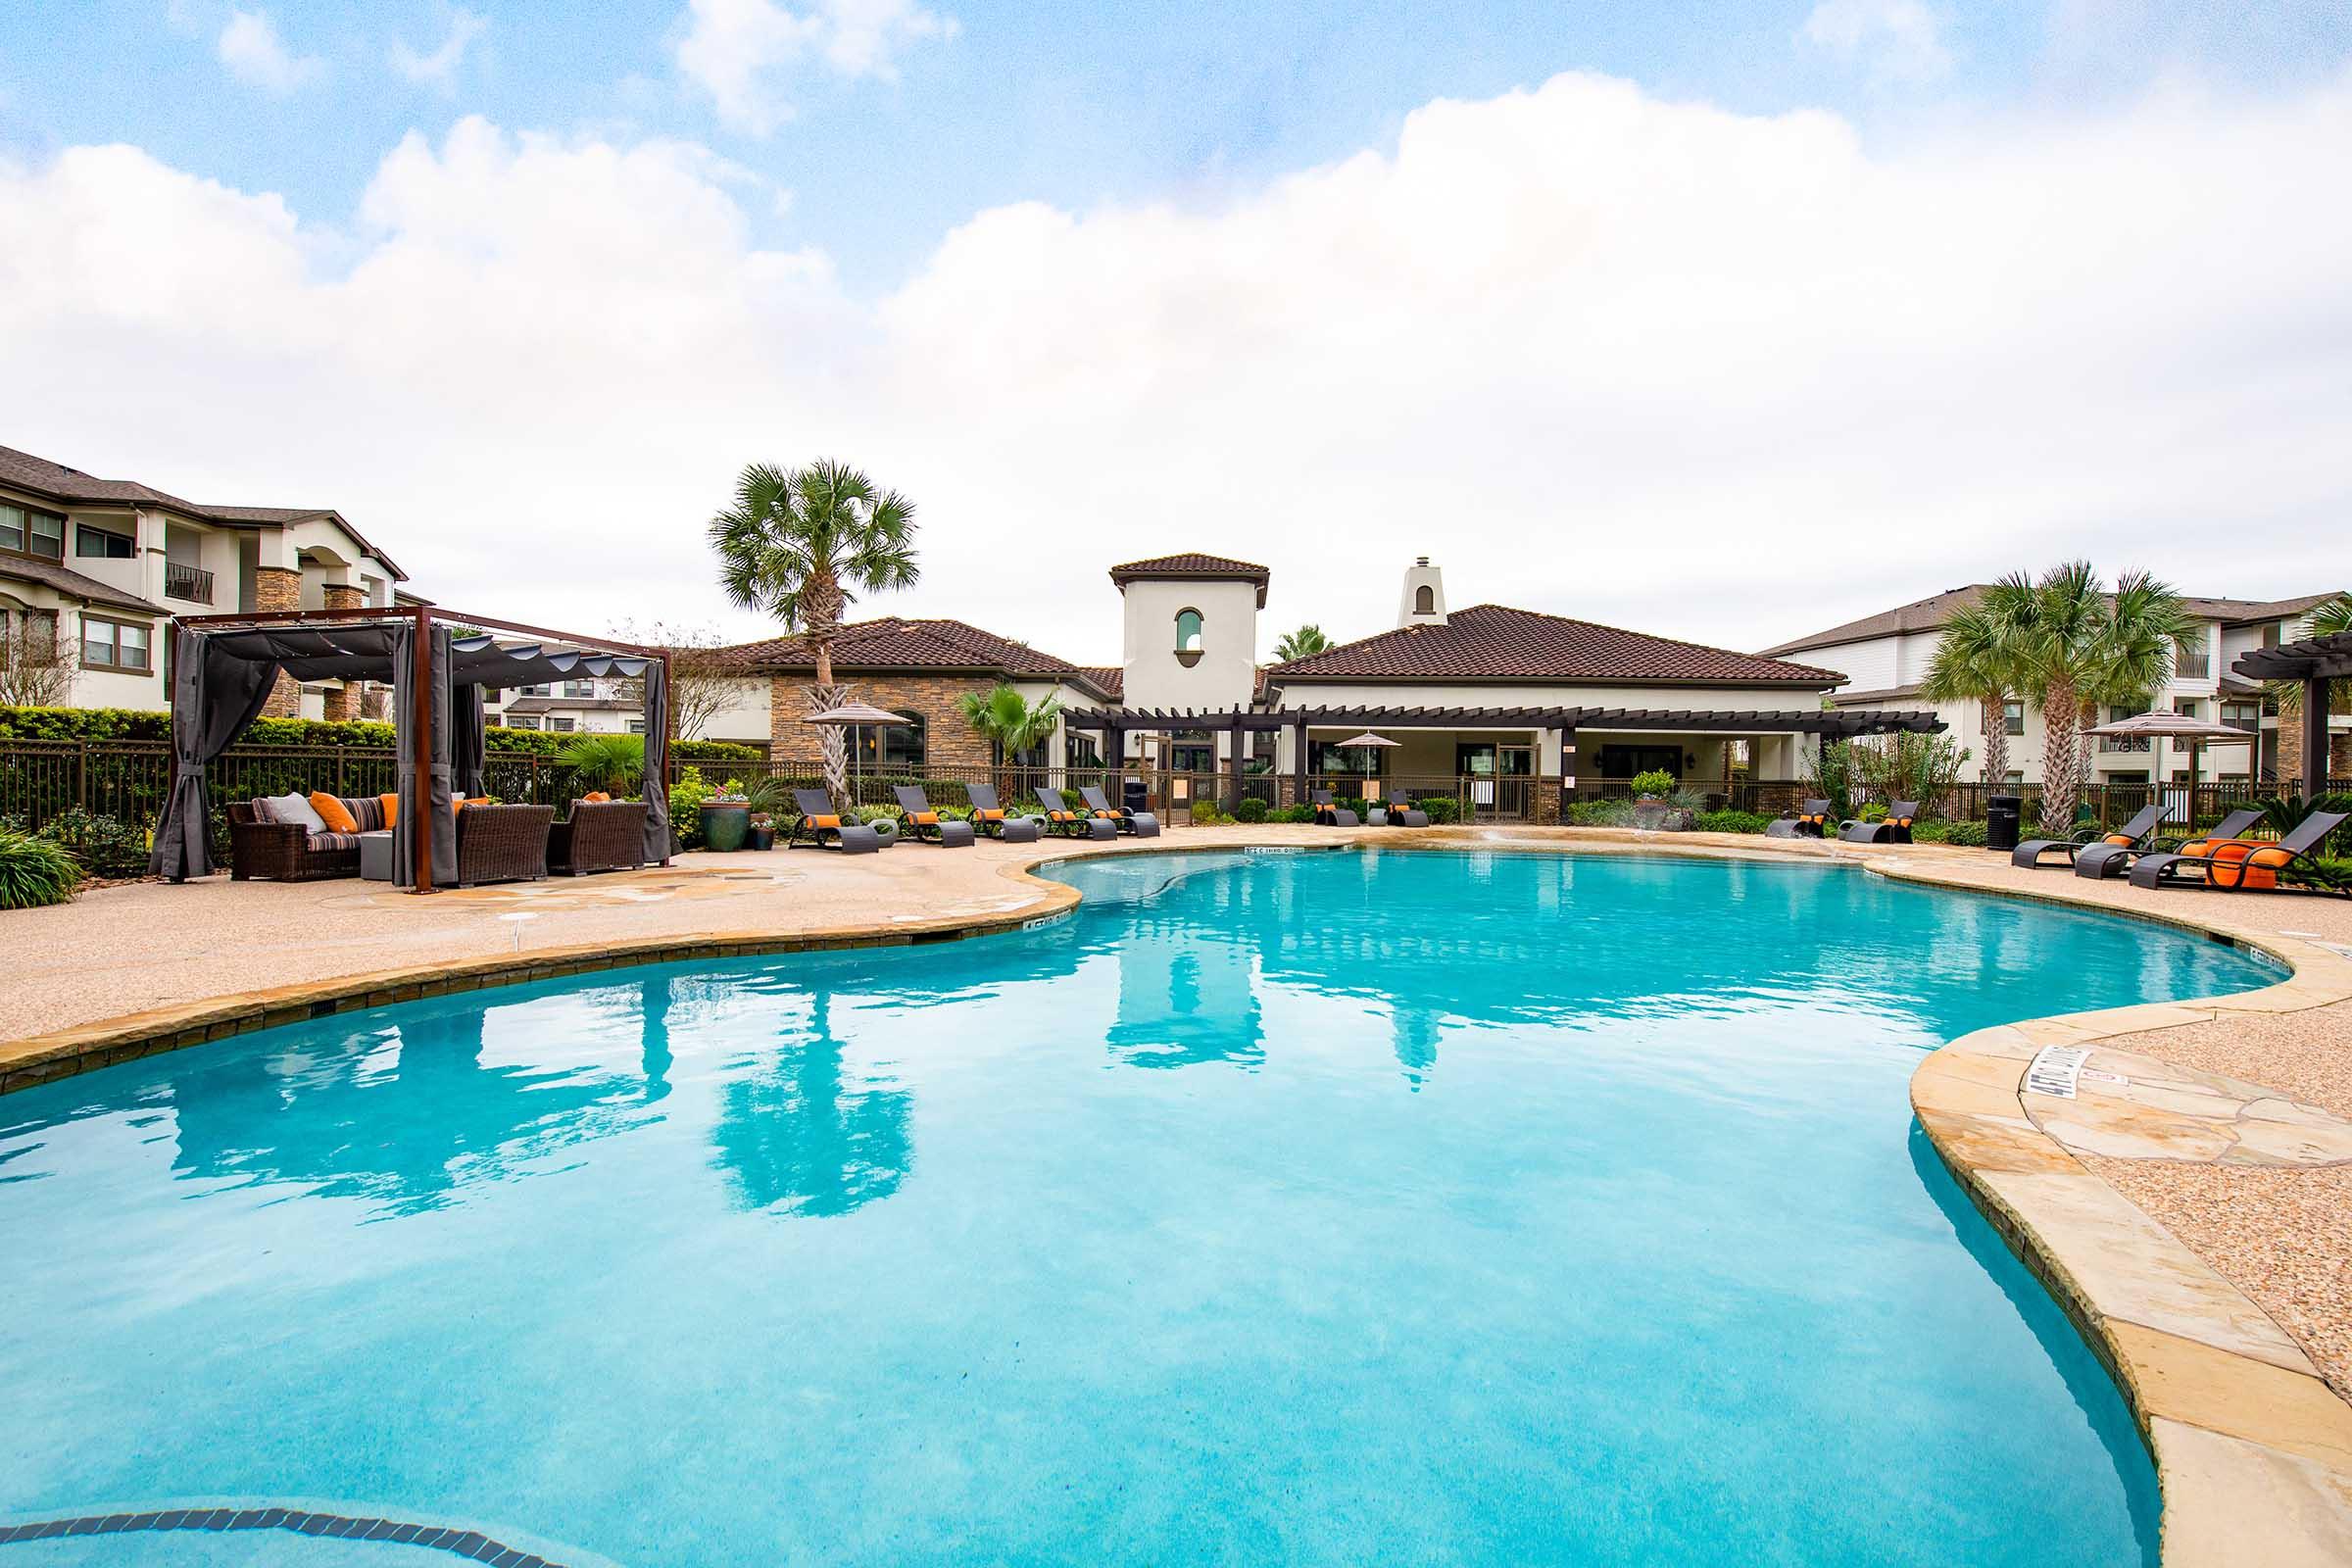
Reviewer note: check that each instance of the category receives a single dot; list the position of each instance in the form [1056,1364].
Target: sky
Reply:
[1721,322]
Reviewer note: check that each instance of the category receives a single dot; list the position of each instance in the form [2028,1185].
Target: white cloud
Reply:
[1659,365]
[439,68]
[1899,40]
[735,50]
[255,55]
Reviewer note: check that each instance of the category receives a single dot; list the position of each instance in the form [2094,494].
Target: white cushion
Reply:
[296,809]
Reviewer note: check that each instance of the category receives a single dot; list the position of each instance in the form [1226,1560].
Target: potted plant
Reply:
[764,799]
[1655,803]
[726,818]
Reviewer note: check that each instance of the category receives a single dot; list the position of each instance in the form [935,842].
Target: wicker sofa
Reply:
[495,843]
[598,836]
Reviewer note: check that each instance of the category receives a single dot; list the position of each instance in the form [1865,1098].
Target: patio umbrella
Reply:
[2179,726]
[1367,738]
[855,713]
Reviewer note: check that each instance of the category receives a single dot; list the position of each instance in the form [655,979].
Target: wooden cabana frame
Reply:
[2314,662]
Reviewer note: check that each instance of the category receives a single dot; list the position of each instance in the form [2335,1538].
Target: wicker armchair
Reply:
[284,852]
[598,836]
[503,844]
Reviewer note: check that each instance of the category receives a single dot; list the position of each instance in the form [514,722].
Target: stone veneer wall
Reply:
[274,588]
[343,701]
[948,742]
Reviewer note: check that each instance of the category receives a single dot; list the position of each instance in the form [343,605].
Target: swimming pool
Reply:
[1318,1208]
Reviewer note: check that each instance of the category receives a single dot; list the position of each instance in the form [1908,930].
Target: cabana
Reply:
[438,663]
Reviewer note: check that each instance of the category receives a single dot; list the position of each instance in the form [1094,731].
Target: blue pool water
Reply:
[1326,1208]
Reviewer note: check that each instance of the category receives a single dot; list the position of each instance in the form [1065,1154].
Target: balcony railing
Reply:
[2192,666]
[191,583]
[2124,742]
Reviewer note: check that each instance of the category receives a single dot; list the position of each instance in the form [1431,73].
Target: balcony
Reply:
[193,584]
[2192,667]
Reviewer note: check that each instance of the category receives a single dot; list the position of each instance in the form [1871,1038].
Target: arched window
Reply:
[1425,599]
[1187,635]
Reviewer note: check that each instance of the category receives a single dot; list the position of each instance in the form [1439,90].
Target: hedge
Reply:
[139,724]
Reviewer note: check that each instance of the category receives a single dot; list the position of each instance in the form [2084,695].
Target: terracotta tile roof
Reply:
[1192,565]
[73,584]
[1109,679]
[54,480]
[897,643]
[1933,612]
[1494,642]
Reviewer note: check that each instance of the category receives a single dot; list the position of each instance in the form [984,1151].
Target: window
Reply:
[1365,760]
[561,726]
[1425,601]
[636,726]
[579,688]
[522,721]
[102,544]
[2242,715]
[113,645]
[2270,635]
[889,746]
[35,533]
[1188,637]
[537,690]
[2013,719]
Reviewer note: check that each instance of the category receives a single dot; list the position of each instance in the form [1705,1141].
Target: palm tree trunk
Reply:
[2061,763]
[823,601]
[1996,737]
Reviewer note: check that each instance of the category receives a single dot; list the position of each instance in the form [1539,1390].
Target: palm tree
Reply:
[800,544]
[1306,642]
[1010,722]
[1975,661]
[2329,620]
[2075,646]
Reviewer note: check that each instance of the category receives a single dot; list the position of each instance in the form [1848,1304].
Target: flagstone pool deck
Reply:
[2190,1205]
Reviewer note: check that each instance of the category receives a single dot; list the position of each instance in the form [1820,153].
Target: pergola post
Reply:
[420,825]
[2315,737]
[1299,761]
[1233,763]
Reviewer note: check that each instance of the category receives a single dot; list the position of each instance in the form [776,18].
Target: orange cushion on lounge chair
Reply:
[471,800]
[1063,816]
[333,813]
[391,809]
[825,821]
[596,795]
[1113,815]
[2117,839]
[992,814]
[927,818]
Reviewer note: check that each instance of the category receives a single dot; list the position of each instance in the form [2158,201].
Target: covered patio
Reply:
[439,664]
[1513,763]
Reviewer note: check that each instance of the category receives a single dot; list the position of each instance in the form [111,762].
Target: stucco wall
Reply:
[1226,674]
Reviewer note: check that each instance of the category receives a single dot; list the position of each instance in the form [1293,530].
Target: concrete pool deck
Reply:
[2190,1204]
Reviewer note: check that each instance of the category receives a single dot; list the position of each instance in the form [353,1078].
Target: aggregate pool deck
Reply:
[2192,1207]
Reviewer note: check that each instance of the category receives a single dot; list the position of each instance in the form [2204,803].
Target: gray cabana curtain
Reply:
[425,799]
[656,783]
[466,743]
[215,695]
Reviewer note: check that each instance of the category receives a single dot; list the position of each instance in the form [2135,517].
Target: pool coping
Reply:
[2253,1450]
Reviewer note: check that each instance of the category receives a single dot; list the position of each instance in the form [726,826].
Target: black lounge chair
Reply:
[1143,825]
[991,818]
[1812,822]
[1330,815]
[1402,812]
[2113,859]
[2237,864]
[1059,818]
[2130,837]
[926,824]
[819,822]
[1895,829]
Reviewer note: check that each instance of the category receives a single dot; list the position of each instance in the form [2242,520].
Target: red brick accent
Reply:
[276,588]
[947,740]
[343,701]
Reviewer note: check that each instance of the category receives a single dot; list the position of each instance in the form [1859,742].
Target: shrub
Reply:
[1293,813]
[686,797]
[1656,783]
[106,846]
[1732,821]
[1971,834]
[1206,814]
[1599,814]
[1440,808]
[1250,810]
[35,872]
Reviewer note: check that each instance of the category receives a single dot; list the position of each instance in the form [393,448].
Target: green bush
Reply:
[106,846]
[35,872]
[686,797]
[1657,782]
[1291,813]
[1971,834]
[1250,810]
[1732,821]
[1205,813]
[1599,814]
[1440,808]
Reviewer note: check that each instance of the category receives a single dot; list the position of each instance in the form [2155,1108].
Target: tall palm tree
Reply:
[1304,642]
[2286,696]
[800,544]
[1007,721]
[1975,661]
[2076,646]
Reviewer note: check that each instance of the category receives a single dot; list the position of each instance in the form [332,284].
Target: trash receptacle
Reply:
[2001,813]
[1134,796]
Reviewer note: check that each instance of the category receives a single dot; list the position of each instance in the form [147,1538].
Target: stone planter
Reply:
[725,826]
[1658,816]
[763,836]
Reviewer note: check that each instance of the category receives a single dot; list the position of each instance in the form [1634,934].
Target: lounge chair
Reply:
[1059,818]
[926,824]
[1893,828]
[1330,815]
[1143,825]
[1810,822]
[990,817]
[2113,859]
[1402,812]
[2237,865]
[2142,824]
[819,822]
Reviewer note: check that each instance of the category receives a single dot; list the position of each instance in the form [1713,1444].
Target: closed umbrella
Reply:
[2179,726]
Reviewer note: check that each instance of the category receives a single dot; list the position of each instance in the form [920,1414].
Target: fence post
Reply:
[82,772]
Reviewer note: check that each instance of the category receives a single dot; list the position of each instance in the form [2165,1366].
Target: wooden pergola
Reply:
[2313,662]
[1830,723]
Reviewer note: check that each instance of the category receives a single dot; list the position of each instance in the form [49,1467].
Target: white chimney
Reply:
[1423,601]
